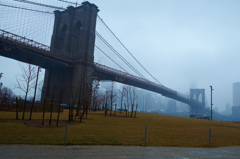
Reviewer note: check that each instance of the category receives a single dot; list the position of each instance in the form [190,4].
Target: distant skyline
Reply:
[184,44]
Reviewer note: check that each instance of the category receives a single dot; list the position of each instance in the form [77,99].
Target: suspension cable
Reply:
[26,9]
[69,2]
[128,51]
[119,55]
[110,58]
[40,4]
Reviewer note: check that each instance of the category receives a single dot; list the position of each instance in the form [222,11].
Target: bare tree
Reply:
[86,102]
[136,111]
[106,98]
[44,106]
[125,108]
[122,93]
[25,81]
[53,93]
[128,93]
[115,110]
[59,106]
[112,95]
[56,93]
[133,97]
[81,92]
[33,101]
[95,94]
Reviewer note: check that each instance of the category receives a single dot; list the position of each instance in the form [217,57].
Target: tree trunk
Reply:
[77,111]
[121,106]
[106,109]
[50,121]
[81,117]
[43,111]
[87,110]
[58,112]
[125,108]
[132,110]
[111,110]
[72,110]
[69,113]
[34,94]
[16,108]
[115,109]
[136,111]
[24,106]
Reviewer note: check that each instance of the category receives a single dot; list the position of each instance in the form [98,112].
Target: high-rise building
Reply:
[236,94]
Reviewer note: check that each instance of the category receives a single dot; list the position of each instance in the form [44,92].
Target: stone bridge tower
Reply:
[197,95]
[73,33]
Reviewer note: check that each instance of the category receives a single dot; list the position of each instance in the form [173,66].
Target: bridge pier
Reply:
[199,96]
[74,34]
[68,84]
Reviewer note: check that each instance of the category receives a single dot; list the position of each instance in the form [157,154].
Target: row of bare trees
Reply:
[83,95]
[127,97]
[6,94]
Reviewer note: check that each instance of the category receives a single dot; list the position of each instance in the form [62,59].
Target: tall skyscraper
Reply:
[236,94]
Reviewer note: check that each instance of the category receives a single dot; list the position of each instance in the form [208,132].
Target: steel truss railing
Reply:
[32,45]
[135,78]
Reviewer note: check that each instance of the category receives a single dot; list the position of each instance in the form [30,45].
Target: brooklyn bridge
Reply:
[69,59]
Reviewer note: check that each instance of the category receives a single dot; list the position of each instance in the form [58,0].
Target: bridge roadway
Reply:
[29,51]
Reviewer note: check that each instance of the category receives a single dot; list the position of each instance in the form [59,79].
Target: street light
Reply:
[211,101]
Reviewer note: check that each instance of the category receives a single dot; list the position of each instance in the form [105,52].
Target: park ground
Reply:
[119,130]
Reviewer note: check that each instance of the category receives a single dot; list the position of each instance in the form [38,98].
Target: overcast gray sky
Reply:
[183,43]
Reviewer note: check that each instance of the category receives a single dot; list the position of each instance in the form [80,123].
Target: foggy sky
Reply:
[183,43]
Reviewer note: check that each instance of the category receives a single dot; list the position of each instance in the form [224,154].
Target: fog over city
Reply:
[184,44]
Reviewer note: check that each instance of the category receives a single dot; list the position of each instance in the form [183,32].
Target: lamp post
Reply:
[211,101]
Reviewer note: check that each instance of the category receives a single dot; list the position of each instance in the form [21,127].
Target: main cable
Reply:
[110,58]
[25,8]
[122,58]
[40,4]
[128,50]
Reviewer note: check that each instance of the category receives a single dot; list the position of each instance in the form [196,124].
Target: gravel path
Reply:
[120,152]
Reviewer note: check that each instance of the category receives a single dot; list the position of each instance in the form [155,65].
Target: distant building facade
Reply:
[236,94]
[236,111]
[236,100]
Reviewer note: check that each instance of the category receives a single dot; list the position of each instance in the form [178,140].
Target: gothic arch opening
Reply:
[63,31]
[200,98]
[77,28]
[62,37]
[75,37]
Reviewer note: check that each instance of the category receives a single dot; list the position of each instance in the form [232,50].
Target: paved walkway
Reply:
[120,152]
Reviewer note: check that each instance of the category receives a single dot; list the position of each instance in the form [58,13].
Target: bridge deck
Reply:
[107,73]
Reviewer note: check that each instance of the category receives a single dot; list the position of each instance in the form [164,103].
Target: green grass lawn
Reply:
[162,130]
